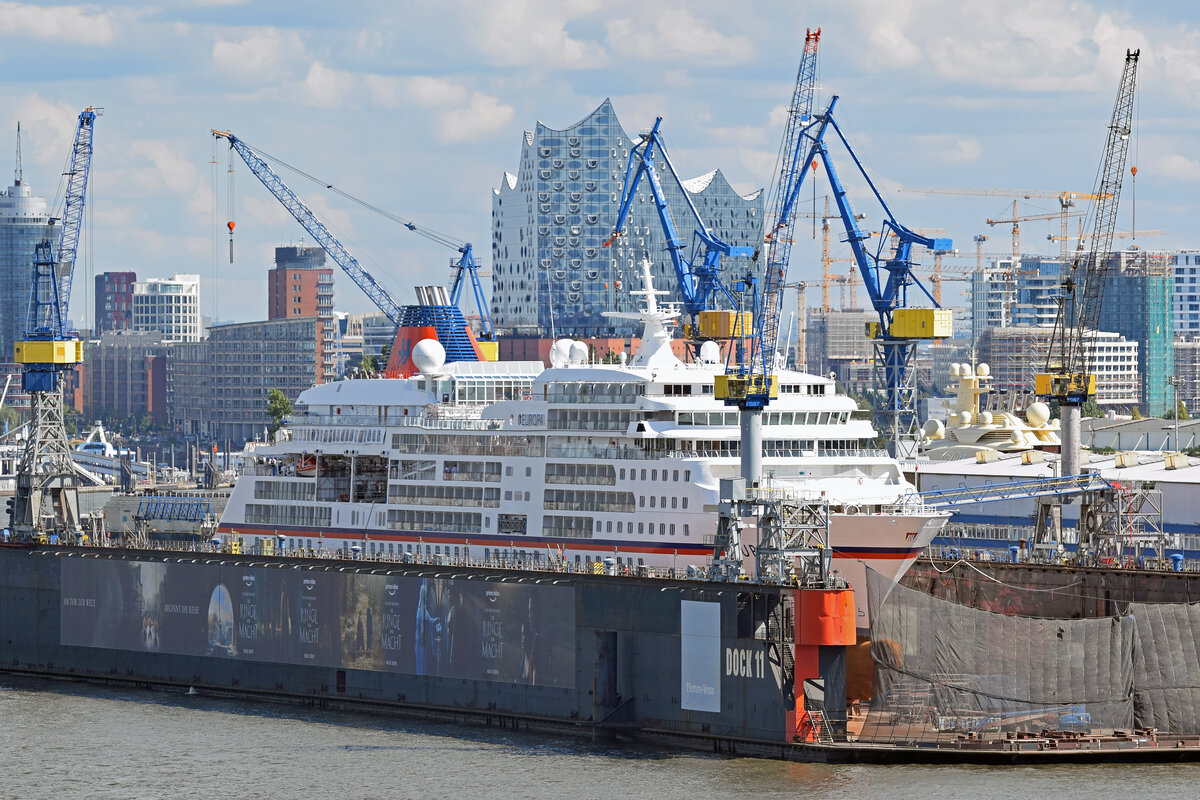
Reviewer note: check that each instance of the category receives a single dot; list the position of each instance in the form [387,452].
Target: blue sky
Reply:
[419,107]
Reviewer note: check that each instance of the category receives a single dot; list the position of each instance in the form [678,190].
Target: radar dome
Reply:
[985,418]
[429,356]
[710,352]
[1038,414]
[964,418]
[934,429]
[955,369]
[983,370]
[579,352]
[560,353]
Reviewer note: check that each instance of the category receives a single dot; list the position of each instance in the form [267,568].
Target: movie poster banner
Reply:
[473,629]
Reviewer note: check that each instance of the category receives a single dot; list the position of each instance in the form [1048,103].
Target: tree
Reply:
[278,407]
[367,364]
[1181,411]
[385,353]
[1135,414]
[1090,409]
[10,419]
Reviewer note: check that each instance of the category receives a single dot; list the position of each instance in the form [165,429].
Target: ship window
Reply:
[640,524]
[643,474]
[675,475]
[653,474]
[686,531]
[508,471]
[622,473]
[619,526]
[673,502]
[608,527]
[683,502]
[664,501]
[687,475]
[642,501]
[652,499]
[672,528]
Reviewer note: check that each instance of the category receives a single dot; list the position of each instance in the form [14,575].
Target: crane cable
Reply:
[429,233]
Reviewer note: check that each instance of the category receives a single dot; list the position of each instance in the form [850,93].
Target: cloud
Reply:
[47,129]
[1175,167]
[329,88]
[482,116]
[268,54]
[58,24]
[519,32]
[951,148]
[674,34]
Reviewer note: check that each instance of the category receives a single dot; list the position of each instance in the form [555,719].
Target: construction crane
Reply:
[1068,379]
[440,313]
[46,501]
[1016,219]
[698,273]
[828,278]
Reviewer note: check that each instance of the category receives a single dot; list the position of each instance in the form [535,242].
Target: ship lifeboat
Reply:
[307,466]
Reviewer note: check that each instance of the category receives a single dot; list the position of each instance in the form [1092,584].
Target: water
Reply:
[66,740]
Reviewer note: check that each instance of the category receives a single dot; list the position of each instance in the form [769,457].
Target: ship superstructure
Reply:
[580,461]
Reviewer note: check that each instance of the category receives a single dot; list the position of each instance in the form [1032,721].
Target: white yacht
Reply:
[583,461]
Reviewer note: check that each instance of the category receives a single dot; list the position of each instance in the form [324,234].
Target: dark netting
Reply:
[1166,666]
[947,670]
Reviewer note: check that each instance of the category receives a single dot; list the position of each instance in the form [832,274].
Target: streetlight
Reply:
[1175,381]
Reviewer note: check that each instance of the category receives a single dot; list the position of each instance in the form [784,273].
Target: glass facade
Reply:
[23,219]
[551,273]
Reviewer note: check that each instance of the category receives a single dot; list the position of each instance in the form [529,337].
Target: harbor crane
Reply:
[1068,379]
[46,501]
[698,273]
[446,318]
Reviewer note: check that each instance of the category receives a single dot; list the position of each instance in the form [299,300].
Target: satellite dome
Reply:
[1038,414]
[710,352]
[964,418]
[955,369]
[983,370]
[985,418]
[560,353]
[429,356]
[934,429]
[579,352]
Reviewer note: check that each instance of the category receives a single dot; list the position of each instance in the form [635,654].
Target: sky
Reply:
[419,107]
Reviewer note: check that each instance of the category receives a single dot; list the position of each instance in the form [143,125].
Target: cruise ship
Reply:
[580,461]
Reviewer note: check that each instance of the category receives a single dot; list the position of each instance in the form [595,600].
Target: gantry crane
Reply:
[46,501]
[1068,379]
[445,317]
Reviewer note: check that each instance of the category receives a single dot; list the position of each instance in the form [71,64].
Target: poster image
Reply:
[441,627]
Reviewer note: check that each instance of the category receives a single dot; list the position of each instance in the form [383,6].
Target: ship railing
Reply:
[600,451]
[361,420]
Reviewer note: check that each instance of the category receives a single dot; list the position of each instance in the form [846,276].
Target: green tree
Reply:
[385,353]
[9,418]
[1090,409]
[1136,413]
[1181,411]
[278,407]
[367,363]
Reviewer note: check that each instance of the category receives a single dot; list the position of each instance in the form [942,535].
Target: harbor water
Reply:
[73,740]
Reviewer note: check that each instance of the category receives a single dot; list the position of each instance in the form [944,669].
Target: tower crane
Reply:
[441,314]
[46,501]
[698,273]
[1068,378]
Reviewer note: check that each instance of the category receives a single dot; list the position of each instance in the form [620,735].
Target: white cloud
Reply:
[59,24]
[1176,167]
[482,116]
[427,91]
[47,130]
[674,34]
[174,171]
[266,55]
[328,87]
[951,148]
[516,32]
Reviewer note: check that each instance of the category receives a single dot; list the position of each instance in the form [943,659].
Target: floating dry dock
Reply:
[690,663]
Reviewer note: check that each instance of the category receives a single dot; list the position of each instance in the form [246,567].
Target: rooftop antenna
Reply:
[17,173]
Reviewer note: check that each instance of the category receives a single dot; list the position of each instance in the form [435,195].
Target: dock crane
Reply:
[1068,379]
[445,317]
[46,501]
[698,274]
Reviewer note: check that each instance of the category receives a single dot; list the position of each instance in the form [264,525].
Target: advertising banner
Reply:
[700,655]
[473,629]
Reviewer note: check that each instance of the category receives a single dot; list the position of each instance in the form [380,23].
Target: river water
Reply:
[68,740]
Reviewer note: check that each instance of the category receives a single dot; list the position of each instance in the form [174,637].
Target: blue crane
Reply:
[698,274]
[46,500]
[446,319]
[304,215]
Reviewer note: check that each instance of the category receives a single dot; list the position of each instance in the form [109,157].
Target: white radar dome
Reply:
[983,370]
[429,356]
[934,429]
[964,418]
[710,352]
[560,353]
[1038,414]
[955,369]
[985,418]
[579,352]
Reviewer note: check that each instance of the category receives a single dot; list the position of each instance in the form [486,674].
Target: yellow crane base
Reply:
[1055,384]
[737,387]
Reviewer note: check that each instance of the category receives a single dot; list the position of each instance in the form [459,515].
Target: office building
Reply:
[300,285]
[23,220]
[1137,304]
[552,276]
[170,306]
[1185,280]
[124,375]
[1015,355]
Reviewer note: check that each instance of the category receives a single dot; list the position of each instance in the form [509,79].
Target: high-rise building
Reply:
[124,375]
[301,285]
[217,389]
[1137,305]
[170,306]
[1185,279]
[1016,354]
[551,273]
[114,301]
[23,220]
